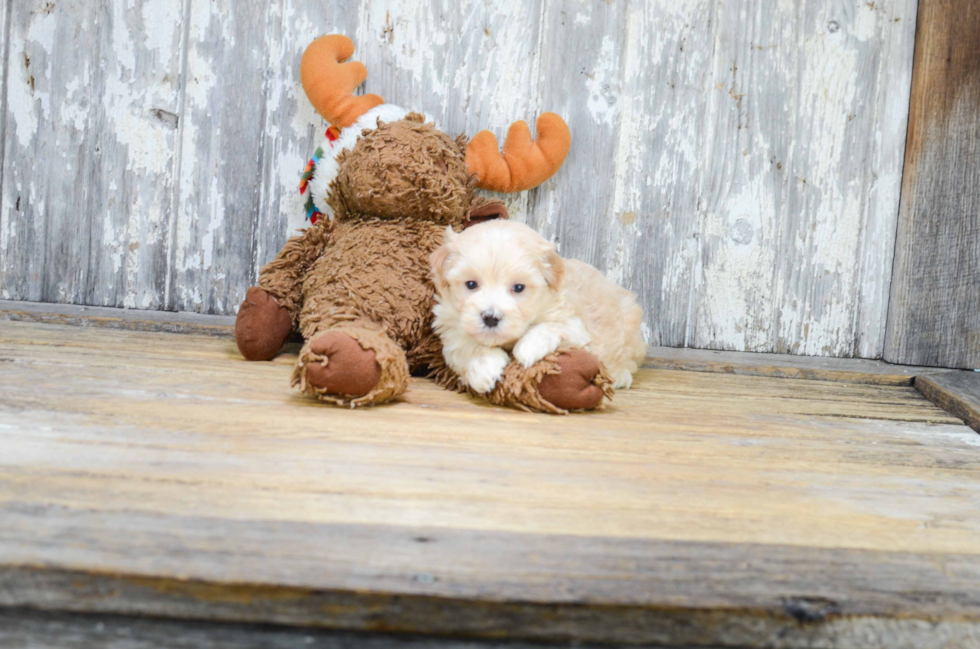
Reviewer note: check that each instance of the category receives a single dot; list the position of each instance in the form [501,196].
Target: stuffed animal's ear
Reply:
[483,211]
[440,259]
[553,267]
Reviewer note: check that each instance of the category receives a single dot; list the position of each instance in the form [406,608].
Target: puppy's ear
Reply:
[553,267]
[483,210]
[440,258]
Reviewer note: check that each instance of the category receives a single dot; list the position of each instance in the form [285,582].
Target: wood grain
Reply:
[804,132]
[156,474]
[5,6]
[847,370]
[814,368]
[32,629]
[957,393]
[934,316]
[736,164]
[114,318]
[222,140]
[748,596]
[89,143]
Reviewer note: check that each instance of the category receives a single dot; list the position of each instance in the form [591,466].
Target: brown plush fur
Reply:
[365,277]
[406,169]
[572,378]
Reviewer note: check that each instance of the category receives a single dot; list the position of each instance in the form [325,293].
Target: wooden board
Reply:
[161,474]
[89,144]
[957,393]
[113,318]
[803,152]
[934,317]
[747,203]
[847,370]
[32,629]
[4,62]
[736,164]
[814,368]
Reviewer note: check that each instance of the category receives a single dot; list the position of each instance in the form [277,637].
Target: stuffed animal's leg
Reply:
[352,365]
[271,309]
[566,380]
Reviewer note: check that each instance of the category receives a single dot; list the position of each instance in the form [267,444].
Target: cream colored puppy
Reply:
[502,288]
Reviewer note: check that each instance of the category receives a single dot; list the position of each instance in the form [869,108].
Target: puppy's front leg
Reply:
[485,368]
[544,338]
[479,366]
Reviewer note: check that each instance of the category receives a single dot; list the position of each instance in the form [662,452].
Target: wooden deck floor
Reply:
[160,474]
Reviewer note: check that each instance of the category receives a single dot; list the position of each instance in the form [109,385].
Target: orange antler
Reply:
[525,163]
[330,83]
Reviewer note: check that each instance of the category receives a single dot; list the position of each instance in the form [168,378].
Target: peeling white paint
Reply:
[622,226]
[603,83]
[736,273]
[24,94]
[866,21]
[680,112]
[72,110]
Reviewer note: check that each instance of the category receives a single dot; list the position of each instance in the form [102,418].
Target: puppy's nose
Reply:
[490,320]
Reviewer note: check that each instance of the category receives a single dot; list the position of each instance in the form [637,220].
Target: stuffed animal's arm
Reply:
[282,278]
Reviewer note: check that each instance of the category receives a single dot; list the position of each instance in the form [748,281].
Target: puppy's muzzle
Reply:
[489,319]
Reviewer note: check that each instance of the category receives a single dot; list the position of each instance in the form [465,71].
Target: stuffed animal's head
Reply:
[383,161]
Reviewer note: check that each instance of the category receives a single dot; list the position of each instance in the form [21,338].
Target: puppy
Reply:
[501,287]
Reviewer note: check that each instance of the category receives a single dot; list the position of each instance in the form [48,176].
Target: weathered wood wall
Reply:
[934,316]
[736,163]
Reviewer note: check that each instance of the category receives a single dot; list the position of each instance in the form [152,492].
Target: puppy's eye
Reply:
[471,285]
[518,288]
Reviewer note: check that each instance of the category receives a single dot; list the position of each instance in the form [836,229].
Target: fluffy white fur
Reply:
[564,303]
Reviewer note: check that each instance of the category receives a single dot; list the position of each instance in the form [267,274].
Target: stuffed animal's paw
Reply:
[262,325]
[566,380]
[580,385]
[349,370]
[351,366]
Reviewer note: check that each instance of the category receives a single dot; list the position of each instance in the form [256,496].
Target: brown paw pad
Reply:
[350,369]
[574,387]
[262,325]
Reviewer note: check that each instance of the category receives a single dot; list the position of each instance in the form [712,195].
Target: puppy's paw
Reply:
[535,345]
[623,379]
[484,371]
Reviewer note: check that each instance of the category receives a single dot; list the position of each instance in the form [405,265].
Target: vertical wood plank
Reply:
[582,59]
[5,6]
[89,138]
[223,120]
[469,65]
[630,80]
[799,200]
[934,315]
[247,133]
[292,128]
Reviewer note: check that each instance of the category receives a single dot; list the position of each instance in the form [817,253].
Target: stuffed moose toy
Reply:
[383,187]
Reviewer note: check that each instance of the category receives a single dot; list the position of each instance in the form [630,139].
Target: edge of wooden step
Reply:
[814,368]
[958,393]
[115,318]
